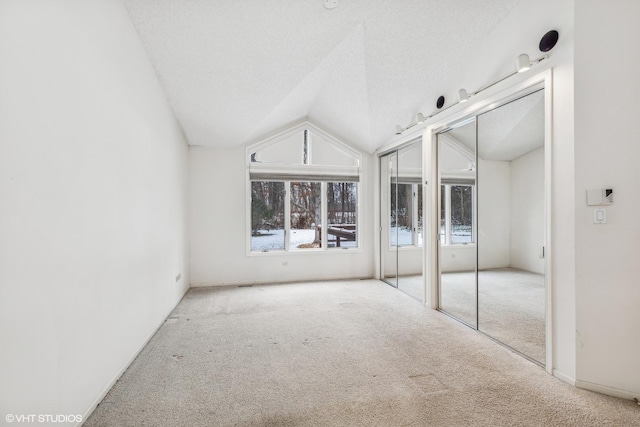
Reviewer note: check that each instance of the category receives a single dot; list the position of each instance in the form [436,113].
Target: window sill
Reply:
[405,248]
[305,252]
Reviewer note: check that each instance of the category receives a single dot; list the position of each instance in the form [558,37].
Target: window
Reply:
[273,229]
[456,214]
[305,213]
[304,192]
[342,201]
[267,216]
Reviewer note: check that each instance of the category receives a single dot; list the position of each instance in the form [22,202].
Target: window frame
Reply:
[415,211]
[324,217]
[305,171]
[445,188]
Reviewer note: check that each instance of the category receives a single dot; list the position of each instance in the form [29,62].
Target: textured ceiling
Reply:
[236,70]
[507,132]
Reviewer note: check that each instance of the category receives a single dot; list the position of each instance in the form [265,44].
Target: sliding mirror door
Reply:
[408,220]
[491,171]
[510,216]
[401,219]
[457,253]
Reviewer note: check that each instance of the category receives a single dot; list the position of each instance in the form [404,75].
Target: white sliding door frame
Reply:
[478,105]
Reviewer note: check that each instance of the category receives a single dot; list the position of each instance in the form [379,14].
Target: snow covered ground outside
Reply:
[403,236]
[273,240]
[459,234]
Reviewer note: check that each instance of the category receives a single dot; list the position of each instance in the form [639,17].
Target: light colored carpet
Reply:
[412,285]
[354,353]
[511,306]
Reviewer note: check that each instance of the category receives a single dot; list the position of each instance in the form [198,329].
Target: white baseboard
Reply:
[603,389]
[96,402]
[563,377]
[278,282]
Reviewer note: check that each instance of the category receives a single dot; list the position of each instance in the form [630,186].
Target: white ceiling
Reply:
[507,132]
[236,70]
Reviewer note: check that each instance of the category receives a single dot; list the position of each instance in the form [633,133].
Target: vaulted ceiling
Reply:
[237,70]
[507,132]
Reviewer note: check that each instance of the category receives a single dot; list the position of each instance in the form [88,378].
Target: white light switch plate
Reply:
[600,216]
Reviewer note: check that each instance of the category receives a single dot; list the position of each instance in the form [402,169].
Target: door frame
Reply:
[380,246]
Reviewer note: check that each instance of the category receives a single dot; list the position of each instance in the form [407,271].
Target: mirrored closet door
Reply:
[402,219]
[457,205]
[388,225]
[511,285]
[491,169]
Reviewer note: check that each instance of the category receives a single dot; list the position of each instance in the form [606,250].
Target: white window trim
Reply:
[324,209]
[447,218]
[302,172]
[414,222]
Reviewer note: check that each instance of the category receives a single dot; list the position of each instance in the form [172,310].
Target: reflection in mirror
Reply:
[510,237]
[408,220]
[389,231]
[457,252]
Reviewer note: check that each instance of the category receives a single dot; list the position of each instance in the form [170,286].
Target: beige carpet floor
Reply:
[412,285]
[511,306]
[354,353]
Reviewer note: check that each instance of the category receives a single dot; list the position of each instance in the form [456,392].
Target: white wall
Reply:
[93,177]
[494,211]
[527,211]
[606,115]
[218,230]
[457,258]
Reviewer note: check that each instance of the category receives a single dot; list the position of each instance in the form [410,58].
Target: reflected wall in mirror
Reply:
[510,237]
[457,254]
[401,219]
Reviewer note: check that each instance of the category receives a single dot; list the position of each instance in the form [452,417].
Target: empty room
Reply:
[319,212]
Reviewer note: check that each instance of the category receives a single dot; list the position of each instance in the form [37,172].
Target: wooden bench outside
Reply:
[346,232]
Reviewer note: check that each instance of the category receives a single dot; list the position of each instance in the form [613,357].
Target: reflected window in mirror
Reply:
[456,214]
[406,214]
